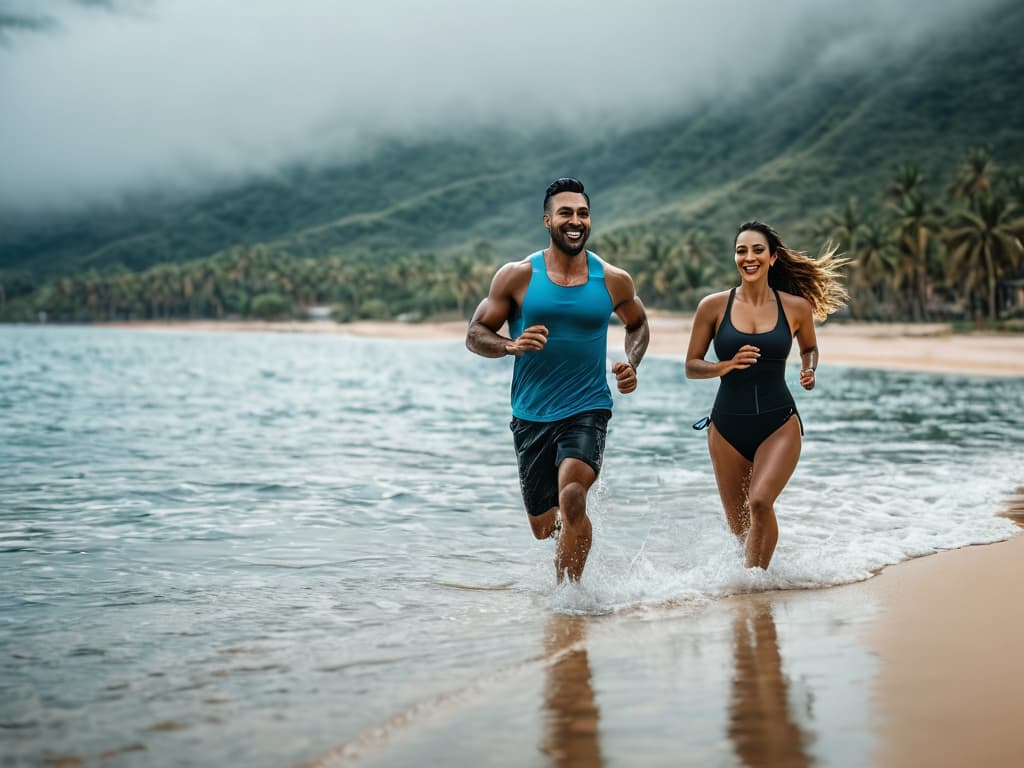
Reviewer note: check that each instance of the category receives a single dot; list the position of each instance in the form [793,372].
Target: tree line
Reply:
[257,282]
[916,256]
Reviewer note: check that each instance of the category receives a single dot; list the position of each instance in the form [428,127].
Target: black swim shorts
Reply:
[541,447]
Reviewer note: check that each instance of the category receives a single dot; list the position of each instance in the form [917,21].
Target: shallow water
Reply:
[250,548]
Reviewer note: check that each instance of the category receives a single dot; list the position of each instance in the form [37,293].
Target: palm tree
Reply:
[913,238]
[467,276]
[651,272]
[1017,191]
[615,244]
[984,246]
[913,234]
[906,182]
[875,263]
[665,258]
[696,247]
[916,227]
[844,226]
[974,175]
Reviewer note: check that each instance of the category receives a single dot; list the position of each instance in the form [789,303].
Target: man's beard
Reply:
[571,247]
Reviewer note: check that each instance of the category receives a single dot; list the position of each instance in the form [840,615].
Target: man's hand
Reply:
[531,340]
[625,377]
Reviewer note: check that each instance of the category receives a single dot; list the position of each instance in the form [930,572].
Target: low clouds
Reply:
[20,16]
[103,97]
[14,23]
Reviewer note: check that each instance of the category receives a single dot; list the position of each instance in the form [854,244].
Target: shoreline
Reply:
[896,346]
[913,666]
[924,347]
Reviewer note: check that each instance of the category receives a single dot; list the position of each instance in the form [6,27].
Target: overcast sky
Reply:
[102,97]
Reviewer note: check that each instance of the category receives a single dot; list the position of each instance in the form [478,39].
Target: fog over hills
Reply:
[138,132]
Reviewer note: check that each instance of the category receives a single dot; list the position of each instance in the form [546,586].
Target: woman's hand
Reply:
[807,378]
[746,357]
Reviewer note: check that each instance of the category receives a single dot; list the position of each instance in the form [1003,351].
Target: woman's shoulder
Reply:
[794,301]
[797,308]
[715,300]
[712,306]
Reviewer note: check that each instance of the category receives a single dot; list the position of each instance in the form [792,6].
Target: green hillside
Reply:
[789,151]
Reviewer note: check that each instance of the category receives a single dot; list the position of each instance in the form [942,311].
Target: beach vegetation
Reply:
[916,259]
[270,306]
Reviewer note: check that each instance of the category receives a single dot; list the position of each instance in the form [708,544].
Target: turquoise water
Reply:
[247,549]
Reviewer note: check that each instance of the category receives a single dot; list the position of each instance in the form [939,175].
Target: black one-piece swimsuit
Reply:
[753,402]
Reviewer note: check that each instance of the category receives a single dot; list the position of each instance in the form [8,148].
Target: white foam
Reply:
[834,529]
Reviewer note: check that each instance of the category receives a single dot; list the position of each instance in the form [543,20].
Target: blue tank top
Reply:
[569,375]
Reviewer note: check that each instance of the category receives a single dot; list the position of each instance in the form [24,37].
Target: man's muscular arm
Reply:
[630,310]
[638,334]
[493,312]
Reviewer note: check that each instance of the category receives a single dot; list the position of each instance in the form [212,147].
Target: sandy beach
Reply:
[930,347]
[950,689]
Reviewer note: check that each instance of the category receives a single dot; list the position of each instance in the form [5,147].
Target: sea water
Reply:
[246,548]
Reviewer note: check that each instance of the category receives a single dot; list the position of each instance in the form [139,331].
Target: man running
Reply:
[557,303]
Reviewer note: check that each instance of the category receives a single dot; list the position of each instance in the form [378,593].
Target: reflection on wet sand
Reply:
[760,724]
[1013,507]
[570,727]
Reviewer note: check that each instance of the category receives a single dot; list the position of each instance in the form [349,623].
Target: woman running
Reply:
[754,439]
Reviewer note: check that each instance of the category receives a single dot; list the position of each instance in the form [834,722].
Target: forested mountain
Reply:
[792,151]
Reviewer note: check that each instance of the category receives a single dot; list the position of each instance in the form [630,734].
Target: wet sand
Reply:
[917,666]
[929,347]
[950,691]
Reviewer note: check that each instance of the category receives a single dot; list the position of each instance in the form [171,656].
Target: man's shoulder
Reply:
[512,275]
[527,261]
[523,265]
[611,270]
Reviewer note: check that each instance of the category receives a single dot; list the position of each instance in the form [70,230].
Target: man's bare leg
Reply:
[574,480]
[546,525]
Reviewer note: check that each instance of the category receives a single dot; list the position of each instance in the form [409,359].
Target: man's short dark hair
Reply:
[565,184]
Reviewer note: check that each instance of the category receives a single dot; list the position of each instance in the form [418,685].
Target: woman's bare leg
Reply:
[732,473]
[774,462]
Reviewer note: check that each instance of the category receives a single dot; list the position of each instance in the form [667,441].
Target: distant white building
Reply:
[320,314]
